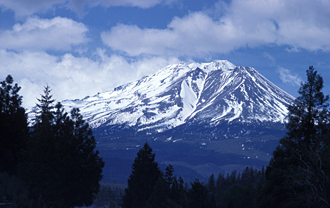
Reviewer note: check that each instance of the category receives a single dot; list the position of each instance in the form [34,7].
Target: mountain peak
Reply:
[215,65]
[211,92]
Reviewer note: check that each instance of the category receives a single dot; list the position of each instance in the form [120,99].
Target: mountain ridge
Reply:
[216,91]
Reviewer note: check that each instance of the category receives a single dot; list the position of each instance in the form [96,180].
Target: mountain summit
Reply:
[209,92]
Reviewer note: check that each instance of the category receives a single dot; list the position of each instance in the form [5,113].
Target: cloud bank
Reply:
[297,24]
[73,77]
[44,34]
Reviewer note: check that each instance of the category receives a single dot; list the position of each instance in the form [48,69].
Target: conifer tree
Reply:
[142,180]
[197,195]
[13,125]
[299,171]
[39,167]
[169,174]
[211,184]
[84,170]
[160,196]
[61,167]
[178,192]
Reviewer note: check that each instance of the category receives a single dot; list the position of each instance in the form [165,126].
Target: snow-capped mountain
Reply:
[202,118]
[177,94]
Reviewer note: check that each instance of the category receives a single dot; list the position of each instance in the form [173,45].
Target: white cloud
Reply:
[73,77]
[297,24]
[25,8]
[194,35]
[287,77]
[109,3]
[43,34]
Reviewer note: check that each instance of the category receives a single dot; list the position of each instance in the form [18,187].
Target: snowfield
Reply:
[212,92]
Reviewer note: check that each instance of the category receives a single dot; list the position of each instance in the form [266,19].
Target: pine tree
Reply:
[40,157]
[45,112]
[178,193]
[197,195]
[142,180]
[61,167]
[13,125]
[169,174]
[160,196]
[299,171]
[84,166]
[211,185]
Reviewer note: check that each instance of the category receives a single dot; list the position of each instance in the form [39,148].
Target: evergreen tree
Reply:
[46,108]
[142,180]
[211,185]
[178,192]
[299,171]
[239,196]
[39,169]
[169,174]
[197,195]
[61,167]
[13,125]
[211,190]
[160,196]
[84,166]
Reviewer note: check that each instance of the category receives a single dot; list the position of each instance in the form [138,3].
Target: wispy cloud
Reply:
[270,57]
[287,77]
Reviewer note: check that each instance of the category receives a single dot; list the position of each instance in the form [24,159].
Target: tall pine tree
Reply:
[142,180]
[299,171]
[84,168]
[62,167]
[39,169]
[13,125]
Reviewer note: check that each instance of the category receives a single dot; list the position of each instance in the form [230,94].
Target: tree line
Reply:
[298,174]
[52,162]
[149,187]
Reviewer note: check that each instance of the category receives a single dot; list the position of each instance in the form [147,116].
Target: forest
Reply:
[53,162]
[50,163]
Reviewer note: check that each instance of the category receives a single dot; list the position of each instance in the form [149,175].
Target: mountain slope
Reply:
[212,92]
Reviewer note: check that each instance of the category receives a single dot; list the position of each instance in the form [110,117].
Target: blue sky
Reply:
[81,47]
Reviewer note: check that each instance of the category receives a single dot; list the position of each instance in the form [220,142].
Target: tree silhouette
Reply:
[61,167]
[13,125]
[197,195]
[299,171]
[142,180]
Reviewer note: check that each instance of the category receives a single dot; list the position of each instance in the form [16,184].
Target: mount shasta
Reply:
[202,118]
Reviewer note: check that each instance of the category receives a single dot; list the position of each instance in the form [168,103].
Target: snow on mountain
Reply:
[212,92]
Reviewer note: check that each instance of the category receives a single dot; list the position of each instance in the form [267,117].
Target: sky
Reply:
[82,47]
